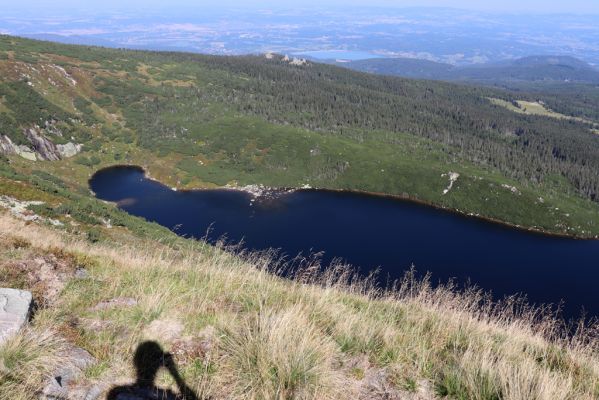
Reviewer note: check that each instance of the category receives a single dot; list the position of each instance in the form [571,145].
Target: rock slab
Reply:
[15,306]
[62,384]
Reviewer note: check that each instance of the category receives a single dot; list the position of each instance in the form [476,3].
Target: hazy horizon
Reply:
[507,6]
[458,32]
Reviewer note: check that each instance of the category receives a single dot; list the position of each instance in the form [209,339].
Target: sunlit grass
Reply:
[321,335]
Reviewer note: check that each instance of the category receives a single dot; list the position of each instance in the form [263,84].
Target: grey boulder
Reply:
[15,306]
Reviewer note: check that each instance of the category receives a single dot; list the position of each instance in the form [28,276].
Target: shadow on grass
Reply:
[149,359]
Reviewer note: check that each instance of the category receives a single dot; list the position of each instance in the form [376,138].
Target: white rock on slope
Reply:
[15,306]
[8,147]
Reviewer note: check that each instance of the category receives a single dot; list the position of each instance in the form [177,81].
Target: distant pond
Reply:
[372,232]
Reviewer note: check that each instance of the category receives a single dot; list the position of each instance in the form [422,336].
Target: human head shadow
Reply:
[148,360]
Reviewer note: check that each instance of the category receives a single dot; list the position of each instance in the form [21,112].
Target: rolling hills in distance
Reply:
[532,69]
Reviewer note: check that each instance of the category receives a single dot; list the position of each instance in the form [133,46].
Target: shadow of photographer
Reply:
[149,359]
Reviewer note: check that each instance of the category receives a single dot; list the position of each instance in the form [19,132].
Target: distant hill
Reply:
[73,39]
[529,69]
[404,67]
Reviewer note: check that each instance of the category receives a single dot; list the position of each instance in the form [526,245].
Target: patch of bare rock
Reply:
[118,302]
[374,383]
[15,309]
[63,384]
[46,276]
[41,146]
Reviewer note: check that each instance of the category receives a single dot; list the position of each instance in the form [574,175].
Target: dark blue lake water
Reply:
[371,232]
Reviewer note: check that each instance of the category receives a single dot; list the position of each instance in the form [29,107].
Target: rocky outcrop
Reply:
[298,61]
[62,385]
[294,61]
[453,177]
[15,306]
[69,149]
[41,148]
[7,147]
[20,209]
[44,147]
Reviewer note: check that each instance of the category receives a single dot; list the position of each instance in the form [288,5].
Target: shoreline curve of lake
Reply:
[371,231]
[396,197]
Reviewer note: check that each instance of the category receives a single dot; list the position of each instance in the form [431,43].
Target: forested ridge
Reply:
[198,120]
[347,103]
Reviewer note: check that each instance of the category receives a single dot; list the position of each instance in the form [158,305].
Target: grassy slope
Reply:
[245,333]
[219,145]
[317,337]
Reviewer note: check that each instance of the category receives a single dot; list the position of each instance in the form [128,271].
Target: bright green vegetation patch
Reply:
[527,107]
[535,108]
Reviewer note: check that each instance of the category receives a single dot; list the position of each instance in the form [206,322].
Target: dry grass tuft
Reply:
[281,355]
[27,360]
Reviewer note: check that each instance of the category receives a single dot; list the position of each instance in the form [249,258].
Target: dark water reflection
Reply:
[371,232]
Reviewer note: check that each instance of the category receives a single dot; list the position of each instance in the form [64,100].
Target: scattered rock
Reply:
[65,75]
[167,330]
[42,148]
[189,348]
[20,208]
[61,386]
[45,276]
[512,189]
[7,147]
[261,192]
[117,302]
[81,273]
[15,308]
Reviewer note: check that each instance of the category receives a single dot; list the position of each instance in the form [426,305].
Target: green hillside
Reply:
[203,121]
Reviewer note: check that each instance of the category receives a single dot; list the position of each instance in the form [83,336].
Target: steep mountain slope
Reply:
[201,121]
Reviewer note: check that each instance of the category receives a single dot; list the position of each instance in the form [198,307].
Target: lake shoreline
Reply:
[250,189]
